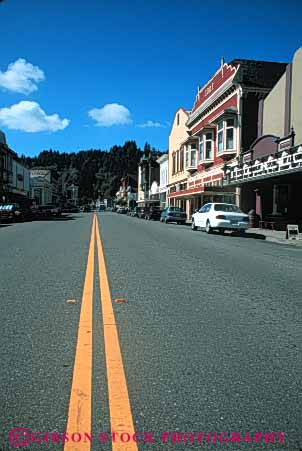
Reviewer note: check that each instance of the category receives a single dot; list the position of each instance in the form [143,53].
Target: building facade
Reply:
[14,176]
[44,186]
[269,172]
[148,181]
[127,194]
[163,162]
[223,121]
[178,170]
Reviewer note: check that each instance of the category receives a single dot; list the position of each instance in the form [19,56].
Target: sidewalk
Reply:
[276,236]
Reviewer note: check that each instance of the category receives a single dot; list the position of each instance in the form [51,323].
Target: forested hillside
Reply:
[95,170]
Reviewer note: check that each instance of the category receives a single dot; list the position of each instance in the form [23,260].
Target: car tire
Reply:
[193,226]
[166,221]
[208,227]
[221,231]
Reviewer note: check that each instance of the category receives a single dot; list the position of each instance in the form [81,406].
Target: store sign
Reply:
[292,232]
[272,165]
[39,172]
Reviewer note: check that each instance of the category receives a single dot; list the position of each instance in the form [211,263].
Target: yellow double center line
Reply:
[79,415]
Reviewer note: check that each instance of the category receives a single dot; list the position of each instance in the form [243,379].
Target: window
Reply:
[177,118]
[205,208]
[229,134]
[173,163]
[181,159]
[227,208]
[193,155]
[225,135]
[201,147]
[206,146]
[187,156]
[220,136]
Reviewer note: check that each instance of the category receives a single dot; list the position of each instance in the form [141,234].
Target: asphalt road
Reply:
[210,334]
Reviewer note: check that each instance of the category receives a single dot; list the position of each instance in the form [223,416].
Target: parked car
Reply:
[86,209]
[14,213]
[173,214]
[134,212]
[153,213]
[221,217]
[70,209]
[50,210]
[102,207]
[122,210]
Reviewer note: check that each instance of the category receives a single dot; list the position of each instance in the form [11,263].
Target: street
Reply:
[209,335]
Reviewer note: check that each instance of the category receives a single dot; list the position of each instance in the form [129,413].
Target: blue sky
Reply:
[115,70]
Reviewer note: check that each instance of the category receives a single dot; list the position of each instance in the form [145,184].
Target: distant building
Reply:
[44,185]
[179,166]
[14,176]
[68,187]
[148,181]
[163,179]
[127,193]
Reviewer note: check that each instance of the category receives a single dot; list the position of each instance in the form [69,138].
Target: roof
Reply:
[259,74]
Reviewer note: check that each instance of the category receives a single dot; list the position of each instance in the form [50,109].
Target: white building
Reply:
[163,162]
[44,186]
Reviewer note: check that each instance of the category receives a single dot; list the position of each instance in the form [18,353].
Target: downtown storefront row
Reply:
[269,173]
[225,121]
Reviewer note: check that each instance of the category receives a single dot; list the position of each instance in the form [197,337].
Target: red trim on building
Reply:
[199,189]
[232,102]
[214,84]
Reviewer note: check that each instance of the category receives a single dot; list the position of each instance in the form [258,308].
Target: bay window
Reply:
[225,135]
[193,155]
[187,156]
[206,146]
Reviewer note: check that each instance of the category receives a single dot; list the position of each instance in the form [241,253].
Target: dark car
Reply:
[50,210]
[173,214]
[14,213]
[134,212]
[142,211]
[153,213]
[86,208]
[102,207]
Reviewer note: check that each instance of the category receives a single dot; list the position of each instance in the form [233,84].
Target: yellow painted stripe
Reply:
[79,414]
[119,403]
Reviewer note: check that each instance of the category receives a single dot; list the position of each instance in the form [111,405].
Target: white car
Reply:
[220,217]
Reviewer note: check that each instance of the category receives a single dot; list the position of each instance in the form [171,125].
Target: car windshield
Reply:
[227,208]
[176,209]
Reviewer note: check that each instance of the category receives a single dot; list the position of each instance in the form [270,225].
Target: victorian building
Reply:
[269,170]
[222,122]
[178,168]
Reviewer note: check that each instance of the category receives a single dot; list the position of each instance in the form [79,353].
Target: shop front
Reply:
[270,184]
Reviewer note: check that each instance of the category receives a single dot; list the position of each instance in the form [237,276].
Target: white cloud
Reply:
[151,124]
[21,76]
[111,114]
[29,117]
